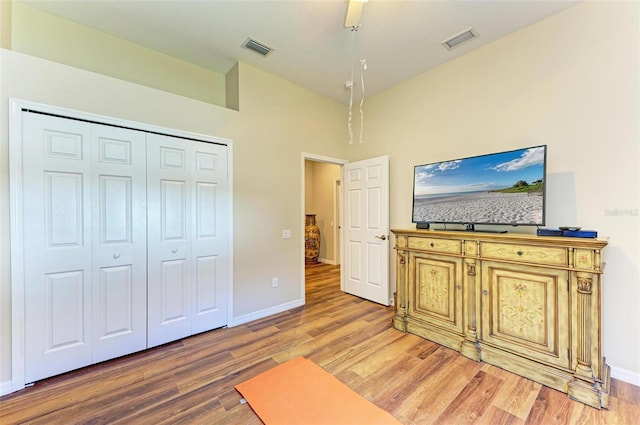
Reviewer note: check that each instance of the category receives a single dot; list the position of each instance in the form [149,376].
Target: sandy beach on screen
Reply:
[484,207]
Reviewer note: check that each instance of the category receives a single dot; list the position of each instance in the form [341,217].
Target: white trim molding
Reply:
[261,314]
[625,375]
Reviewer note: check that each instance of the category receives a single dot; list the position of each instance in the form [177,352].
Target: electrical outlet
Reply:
[274,282]
[286,234]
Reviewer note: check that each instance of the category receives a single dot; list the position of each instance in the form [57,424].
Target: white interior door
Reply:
[366,229]
[187,212]
[209,235]
[85,243]
[119,236]
[57,245]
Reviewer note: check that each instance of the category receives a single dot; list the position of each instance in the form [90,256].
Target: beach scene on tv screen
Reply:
[502,188]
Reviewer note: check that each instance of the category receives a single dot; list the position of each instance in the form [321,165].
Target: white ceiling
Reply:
[399,39]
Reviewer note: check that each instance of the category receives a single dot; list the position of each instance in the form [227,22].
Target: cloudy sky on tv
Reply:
[480,173]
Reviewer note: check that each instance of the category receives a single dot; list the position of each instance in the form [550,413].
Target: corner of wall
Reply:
[232,82]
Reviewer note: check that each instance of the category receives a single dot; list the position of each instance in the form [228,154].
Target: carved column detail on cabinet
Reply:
[528,304]
[400,318]
[584,325]
[469,347]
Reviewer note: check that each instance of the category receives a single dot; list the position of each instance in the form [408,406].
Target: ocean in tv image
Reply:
[500,188]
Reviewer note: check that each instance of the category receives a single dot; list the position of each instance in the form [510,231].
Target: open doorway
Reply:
[322,198]
[321,201]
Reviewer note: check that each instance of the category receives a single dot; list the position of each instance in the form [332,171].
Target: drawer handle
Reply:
[485,292]
[458,287]
[520,252]
[174,250]
[402,260]
[432,244]
[116,255]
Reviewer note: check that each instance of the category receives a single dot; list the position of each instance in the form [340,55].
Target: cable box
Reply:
[580,233]
[568,233]
[549,232]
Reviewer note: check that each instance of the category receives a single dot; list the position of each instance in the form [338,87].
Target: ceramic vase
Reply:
[311,239]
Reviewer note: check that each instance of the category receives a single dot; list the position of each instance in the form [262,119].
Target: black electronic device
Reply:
[422,226]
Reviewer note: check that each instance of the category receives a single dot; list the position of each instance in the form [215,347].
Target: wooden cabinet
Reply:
[528,304]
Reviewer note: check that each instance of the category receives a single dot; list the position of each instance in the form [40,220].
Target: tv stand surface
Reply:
[528,304]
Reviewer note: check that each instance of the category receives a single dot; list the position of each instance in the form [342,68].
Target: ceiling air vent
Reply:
[460,38]
[258,47]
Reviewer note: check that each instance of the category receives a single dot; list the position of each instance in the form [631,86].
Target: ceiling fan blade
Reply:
[354,12]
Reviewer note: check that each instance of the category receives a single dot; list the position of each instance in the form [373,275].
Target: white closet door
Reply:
[119,242]
[85,243]
[169,243]
[210,216]
[57,245]
[187,209]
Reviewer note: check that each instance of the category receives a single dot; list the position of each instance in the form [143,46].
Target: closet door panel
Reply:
[169,239]
[209,246]
[57,245]
[119,242]
[187,215]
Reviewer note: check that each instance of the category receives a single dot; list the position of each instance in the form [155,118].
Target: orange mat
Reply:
[299,392]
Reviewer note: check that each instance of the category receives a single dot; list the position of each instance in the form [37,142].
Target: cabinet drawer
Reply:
[436,245]
[530,254]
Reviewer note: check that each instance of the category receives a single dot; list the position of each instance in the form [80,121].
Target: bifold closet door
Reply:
[84,243]
[187,186]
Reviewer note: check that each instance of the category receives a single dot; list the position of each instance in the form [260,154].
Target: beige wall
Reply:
[571,82]
[5,24]
[41,34]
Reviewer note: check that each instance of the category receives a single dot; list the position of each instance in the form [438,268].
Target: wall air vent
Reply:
[257,47]
[458,39]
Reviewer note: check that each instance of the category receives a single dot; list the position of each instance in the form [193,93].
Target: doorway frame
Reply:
[337,219]
[330,160]
[16,212]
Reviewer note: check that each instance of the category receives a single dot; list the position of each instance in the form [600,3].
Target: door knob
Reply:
[383,237]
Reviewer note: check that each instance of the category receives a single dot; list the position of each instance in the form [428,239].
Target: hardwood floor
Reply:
[192,381]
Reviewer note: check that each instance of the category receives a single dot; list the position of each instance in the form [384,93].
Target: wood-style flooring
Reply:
[419,382]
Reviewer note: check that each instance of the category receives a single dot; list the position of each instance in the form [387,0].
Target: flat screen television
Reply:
[504,188]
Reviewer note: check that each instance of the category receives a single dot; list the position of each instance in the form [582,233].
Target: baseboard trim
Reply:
[240,320]
[5,387]
[324,260]
[625,375]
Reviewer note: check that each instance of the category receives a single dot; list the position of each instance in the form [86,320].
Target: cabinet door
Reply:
[525,310]
[435,290]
